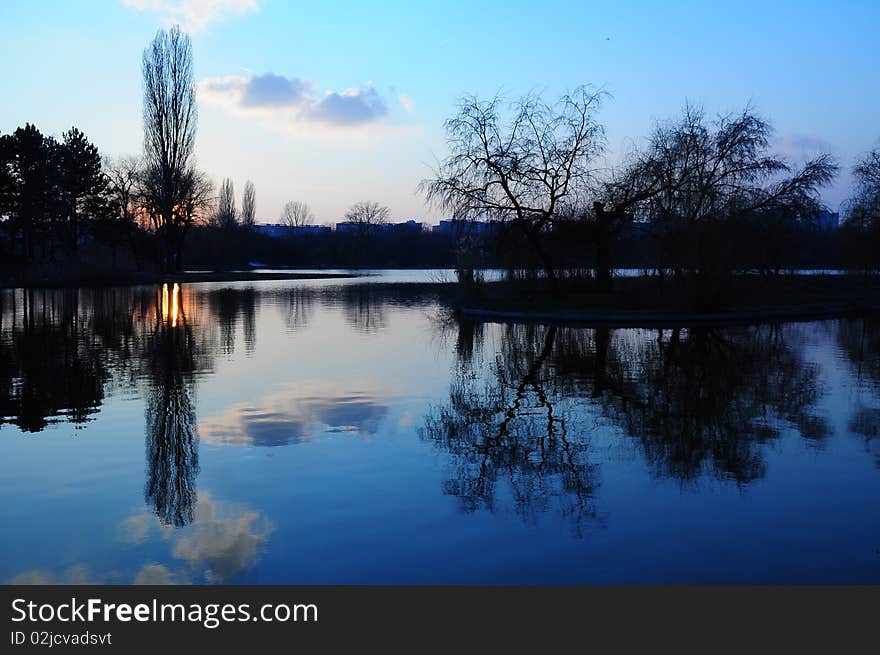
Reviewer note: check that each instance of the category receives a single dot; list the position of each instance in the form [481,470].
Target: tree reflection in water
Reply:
[50,367]
[524,401]
[365,307]
[510,428]
[860,341]
[228,307]
[171,439]
[698,402]
[297,305]
[702,401]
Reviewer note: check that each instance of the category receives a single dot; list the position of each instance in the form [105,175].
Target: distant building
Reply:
[347,227]
[279,230]
[826,220]
[410,227]
[457,228]
[443,227]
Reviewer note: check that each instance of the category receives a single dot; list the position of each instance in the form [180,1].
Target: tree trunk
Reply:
[534,238]
[603,247]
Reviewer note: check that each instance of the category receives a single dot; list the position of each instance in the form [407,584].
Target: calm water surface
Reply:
[342,432]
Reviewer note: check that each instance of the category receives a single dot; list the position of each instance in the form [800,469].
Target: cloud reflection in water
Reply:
[296,416]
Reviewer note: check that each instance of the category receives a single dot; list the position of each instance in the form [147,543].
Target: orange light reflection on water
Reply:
[171,307]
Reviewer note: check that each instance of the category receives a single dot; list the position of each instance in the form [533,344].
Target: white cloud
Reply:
[295,105]
[800,146]
[351,107]
[223,540]
[194,15]
[296,415]
[157,574]
[76,574]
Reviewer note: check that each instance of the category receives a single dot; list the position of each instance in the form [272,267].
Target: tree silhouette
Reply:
[226,216]
[82,186]
[707,177]
[366,216]
[296,214]
[29,198]
[249,206]
[123,175]
[862,226]
[527,168]
[172,191]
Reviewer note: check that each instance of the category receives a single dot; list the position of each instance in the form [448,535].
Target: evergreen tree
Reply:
[81,186]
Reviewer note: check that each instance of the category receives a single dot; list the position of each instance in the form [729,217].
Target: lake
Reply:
[354,432]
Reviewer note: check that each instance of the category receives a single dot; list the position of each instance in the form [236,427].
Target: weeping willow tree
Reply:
[862,226]
[715,185]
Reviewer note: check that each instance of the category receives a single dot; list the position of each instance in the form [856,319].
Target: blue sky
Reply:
[331,103]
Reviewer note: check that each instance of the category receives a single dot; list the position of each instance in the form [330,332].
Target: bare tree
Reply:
[226,215]
[526,164]
[296,214]
[248,205]
[366,215]
[124,174]
[170,115]
[196,207]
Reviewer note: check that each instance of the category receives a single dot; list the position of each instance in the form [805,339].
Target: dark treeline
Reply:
[64,210]
[67,211]
[53,196]
[785,247]
[212,248]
